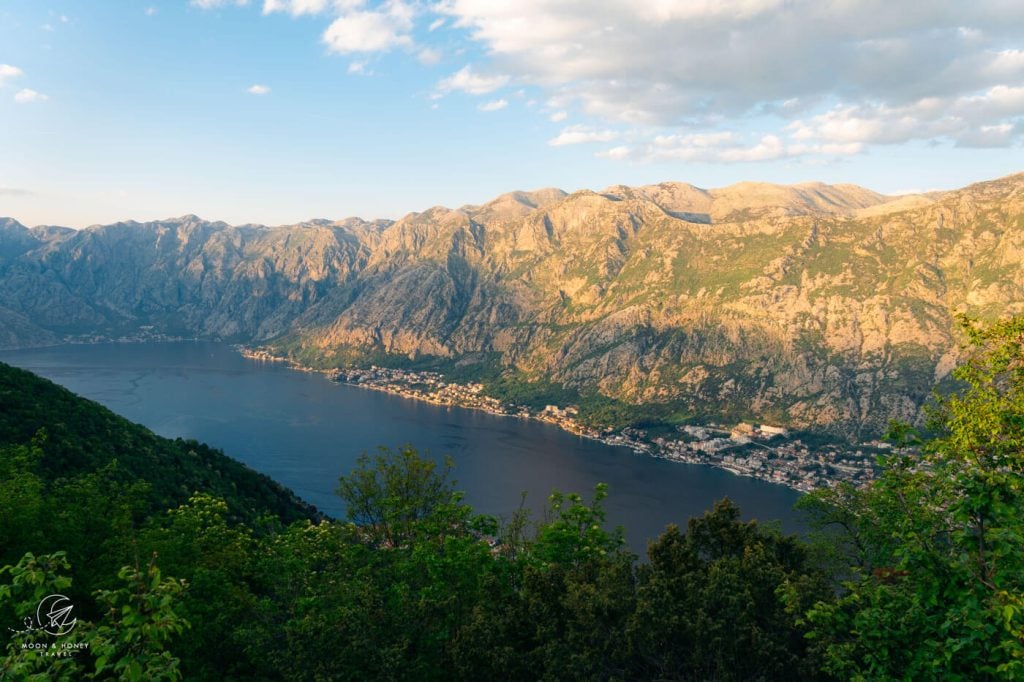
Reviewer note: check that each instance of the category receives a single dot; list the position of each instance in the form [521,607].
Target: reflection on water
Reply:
[305,431]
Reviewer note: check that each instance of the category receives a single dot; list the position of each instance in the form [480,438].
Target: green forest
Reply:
[184,564]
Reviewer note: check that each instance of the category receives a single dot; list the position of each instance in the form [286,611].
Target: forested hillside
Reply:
[77,439]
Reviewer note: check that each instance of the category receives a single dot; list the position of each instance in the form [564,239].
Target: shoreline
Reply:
[739,450]
[431,388]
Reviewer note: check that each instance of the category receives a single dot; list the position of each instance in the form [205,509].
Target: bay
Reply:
[305,431]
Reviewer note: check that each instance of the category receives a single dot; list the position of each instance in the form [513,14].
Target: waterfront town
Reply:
[764,451]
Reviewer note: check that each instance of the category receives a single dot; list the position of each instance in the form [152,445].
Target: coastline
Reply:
[791,464]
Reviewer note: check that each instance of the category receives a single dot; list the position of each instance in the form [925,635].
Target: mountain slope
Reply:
[79,437]
[813,305]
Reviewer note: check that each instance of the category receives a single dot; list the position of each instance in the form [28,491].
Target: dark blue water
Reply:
[305,431]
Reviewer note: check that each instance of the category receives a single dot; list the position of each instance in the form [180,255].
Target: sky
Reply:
[278,111]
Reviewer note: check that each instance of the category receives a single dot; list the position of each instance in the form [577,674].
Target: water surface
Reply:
[305,431]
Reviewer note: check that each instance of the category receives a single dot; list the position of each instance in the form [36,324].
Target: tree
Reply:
[936,588]
[30,581]
[140,620]
[555,604]
[195,542]
[22,509]
[383,595]
[395,496]
[130,643]
[724,602]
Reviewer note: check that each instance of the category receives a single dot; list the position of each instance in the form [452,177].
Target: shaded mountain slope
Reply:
[79,437]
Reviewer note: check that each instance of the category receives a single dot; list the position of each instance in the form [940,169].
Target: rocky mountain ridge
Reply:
[813,305]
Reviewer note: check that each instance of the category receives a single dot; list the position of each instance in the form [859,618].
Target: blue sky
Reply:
[276,111]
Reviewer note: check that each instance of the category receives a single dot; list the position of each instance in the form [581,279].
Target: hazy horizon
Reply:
[395,218]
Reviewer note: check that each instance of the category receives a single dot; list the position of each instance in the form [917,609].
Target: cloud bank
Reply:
[716,80]
[833,77]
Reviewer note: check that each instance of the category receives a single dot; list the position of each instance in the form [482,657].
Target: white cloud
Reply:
[376,30]
[672,77]
[1001,135]
[27,96]
[694,64]
[9,73]
[429,56]
[258,89]
[467,80]
[150,11]
[494,105]
[580,134]
[987,119]
[768,148]
[298,8]
[211,4]
[624,60]
[725,146]
[620,152]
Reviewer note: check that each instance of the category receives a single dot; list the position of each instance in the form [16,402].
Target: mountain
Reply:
[825,306]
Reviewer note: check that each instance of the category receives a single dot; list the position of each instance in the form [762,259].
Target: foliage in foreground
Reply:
[422,588]
[935,548]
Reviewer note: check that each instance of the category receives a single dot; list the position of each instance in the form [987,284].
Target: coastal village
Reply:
[763,451]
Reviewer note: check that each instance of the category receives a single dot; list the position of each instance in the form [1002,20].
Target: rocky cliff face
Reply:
[816,305]
[179,276]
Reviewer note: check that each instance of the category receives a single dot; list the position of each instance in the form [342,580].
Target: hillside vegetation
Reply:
[77,439]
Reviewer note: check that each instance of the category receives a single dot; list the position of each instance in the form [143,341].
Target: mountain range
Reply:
[818,306]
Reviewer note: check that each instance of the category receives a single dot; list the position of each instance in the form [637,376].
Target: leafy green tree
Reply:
[724,602]
[299,575]
[384,597]
[93,516]
[936,584]
[577,616]
[26,584]
[22,515]
[130,642]
[556,604]
[574,531]
[395,496]
[140,619]
[195,542]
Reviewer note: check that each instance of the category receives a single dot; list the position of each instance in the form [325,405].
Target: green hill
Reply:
[77,437]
